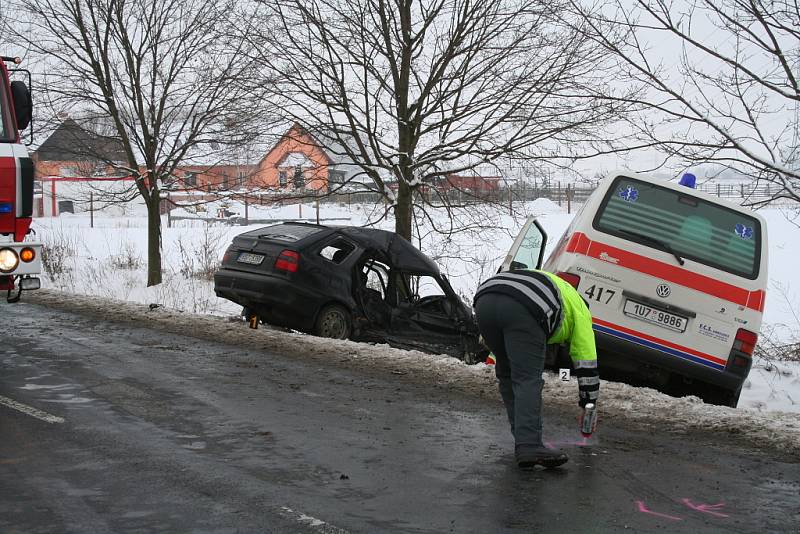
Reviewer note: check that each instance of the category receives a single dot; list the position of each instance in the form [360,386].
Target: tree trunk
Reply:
[402,210]
[153,240]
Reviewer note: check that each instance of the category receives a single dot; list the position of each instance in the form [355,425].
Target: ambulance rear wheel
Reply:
[723,397]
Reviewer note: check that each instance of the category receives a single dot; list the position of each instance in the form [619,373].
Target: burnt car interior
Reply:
[372,290]
[422,303]
[402,301]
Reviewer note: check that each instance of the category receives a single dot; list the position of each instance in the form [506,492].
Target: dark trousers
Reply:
[518,343]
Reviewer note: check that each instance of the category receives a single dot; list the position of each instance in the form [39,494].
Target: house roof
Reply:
[71,142]
[293,133]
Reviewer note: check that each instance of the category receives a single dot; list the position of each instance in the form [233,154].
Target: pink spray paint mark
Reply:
[644,510]
[706,508]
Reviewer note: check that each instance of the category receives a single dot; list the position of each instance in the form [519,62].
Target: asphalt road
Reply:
[107,427]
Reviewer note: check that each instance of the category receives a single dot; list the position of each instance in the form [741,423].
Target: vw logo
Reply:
[663,291]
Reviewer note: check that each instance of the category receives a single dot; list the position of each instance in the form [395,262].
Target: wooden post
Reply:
[169,211]
[569,199]
[91,209]
[558,193]
[317,206]
[246,213]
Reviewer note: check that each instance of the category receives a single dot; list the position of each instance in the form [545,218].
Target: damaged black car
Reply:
[347,282]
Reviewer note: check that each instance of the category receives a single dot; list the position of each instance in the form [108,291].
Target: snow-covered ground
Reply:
[109,261]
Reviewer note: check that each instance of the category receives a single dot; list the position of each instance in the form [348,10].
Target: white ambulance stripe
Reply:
[588,380]
[585,364]
[526,290]
[30,410]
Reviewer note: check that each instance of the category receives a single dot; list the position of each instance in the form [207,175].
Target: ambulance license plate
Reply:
[252,259]
[655,316]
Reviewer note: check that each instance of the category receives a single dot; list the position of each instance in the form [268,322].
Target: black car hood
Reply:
[400,252]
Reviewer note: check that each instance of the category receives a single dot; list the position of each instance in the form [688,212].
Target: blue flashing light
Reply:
[689,180]
[6,207]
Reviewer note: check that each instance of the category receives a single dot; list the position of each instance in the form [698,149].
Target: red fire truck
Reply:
[20,256]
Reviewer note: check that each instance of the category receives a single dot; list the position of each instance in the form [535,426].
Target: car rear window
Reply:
[286,232]
[682,223]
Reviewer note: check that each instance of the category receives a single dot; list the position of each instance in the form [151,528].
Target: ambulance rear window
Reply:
[683,224]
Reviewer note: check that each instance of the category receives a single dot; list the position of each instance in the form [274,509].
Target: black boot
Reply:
[529,456]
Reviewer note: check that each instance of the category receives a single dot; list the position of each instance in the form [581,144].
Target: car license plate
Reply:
[253,259]
[655,316]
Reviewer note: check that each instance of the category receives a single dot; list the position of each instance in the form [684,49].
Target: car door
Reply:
[527,252]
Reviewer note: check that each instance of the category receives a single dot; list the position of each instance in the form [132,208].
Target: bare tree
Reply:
[722,76]
[163,73]
[412,91]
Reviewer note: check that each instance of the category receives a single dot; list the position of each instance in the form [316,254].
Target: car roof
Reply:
[397,251]
[400,252]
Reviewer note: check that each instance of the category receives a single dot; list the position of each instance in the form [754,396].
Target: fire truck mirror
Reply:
[23,105]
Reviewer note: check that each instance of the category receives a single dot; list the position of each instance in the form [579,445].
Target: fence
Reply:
[564,195]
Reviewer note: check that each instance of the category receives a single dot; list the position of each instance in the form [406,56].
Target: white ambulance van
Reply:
[675,280]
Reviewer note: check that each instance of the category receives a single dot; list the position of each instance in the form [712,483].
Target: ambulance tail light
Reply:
[741,357]
[288,261]
[571,279]
[745,341]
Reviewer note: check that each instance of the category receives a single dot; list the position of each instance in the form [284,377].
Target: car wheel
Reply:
[334,322]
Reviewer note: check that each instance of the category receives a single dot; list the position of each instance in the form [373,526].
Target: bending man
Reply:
[519,313]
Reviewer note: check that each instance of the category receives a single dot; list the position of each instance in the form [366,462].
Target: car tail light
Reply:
[745,341]
[227,256]
[288,260]
[571,279]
